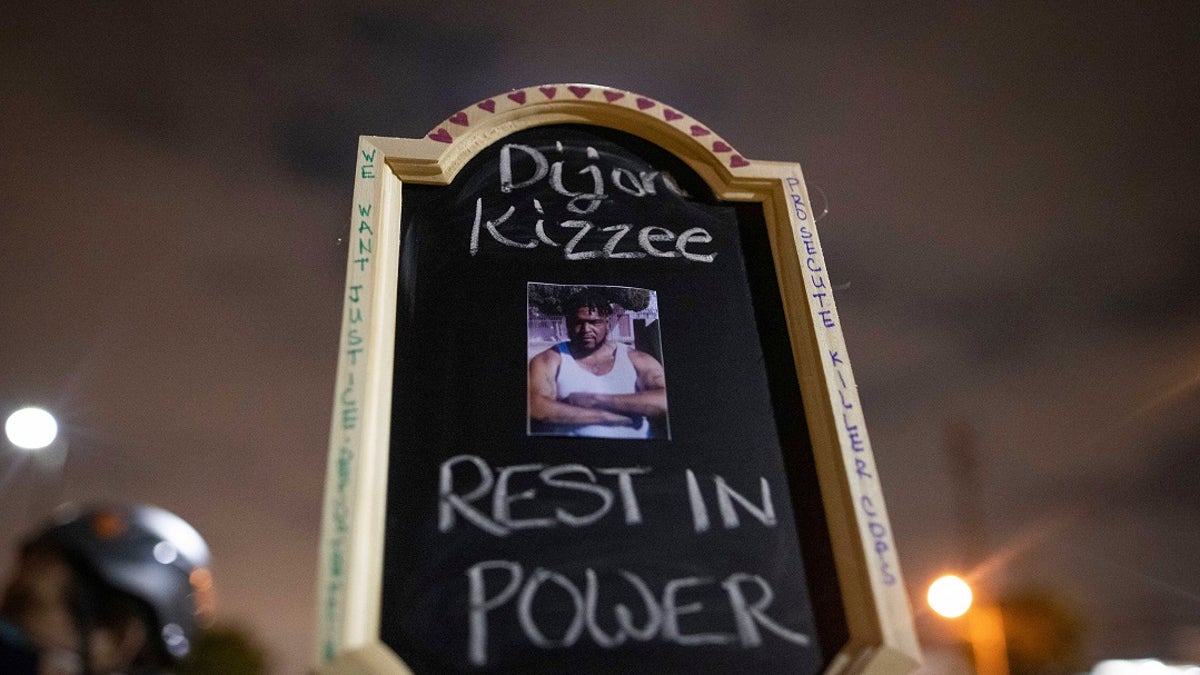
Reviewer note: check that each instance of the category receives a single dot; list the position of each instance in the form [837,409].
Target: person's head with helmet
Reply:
[110,589]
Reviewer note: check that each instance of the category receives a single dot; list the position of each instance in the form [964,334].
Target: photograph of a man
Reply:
[595,363]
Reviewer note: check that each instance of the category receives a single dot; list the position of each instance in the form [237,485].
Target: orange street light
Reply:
[952,597]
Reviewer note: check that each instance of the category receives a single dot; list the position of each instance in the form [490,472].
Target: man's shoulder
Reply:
[639,356]
[547,356]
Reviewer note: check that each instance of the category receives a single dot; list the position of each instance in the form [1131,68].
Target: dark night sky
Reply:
[1012,234]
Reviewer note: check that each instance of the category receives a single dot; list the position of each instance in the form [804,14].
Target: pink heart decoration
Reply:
[441,136]
[671,115]
[614,95]
[548,91]
[488,105]
[737,161]
[459,118]
[580,92]
[518,97]
[698,130]
[643,103]
[720,146]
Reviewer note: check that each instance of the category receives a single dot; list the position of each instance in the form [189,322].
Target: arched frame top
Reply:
[440,154]
[882,636]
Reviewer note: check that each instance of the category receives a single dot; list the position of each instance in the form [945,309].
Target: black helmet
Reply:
[145,552]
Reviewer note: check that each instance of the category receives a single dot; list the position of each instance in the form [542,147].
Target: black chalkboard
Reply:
[533,580]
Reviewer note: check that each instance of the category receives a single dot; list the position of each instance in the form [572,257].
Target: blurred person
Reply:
[105,590]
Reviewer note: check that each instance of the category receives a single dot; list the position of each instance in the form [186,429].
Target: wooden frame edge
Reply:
[873,592]
[374,658]
[882,635]
[351,554]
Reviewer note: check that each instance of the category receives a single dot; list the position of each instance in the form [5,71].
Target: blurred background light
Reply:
[31,428]
[1142,667]
[950,596]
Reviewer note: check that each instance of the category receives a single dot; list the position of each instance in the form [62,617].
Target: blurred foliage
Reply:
[225,650]
[1044,633]
[549,298]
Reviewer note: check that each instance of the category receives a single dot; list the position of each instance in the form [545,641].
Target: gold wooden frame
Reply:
[882,637]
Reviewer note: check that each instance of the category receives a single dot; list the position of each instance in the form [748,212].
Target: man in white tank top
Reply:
[593,386]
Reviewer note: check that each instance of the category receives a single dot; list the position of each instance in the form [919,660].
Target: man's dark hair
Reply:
[588,298]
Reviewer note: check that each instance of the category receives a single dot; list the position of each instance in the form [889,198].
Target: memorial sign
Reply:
[594,411]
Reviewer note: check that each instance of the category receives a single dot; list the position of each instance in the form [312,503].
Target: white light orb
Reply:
[31,428]
[950,596]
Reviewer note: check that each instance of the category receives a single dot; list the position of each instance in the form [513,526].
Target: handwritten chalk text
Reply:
[472,491]
[530,227]
[493,584]
[560,480]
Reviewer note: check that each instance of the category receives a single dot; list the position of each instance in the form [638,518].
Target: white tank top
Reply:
[622,379]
